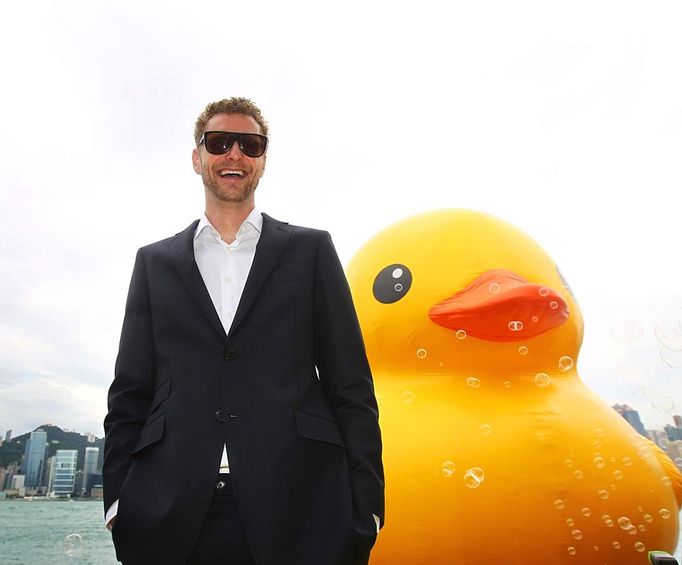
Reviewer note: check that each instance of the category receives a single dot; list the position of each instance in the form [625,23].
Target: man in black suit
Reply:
[242,424]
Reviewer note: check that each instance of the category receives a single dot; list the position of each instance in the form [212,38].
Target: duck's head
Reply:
[464,292]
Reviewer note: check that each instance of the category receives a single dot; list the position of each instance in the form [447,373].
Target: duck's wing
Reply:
[671,470]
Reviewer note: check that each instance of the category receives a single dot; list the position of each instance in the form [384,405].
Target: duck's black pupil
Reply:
[392,283]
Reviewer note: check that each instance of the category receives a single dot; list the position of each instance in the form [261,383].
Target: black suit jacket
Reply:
[289,391]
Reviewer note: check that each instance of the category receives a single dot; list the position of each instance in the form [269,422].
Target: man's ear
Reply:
[196,162]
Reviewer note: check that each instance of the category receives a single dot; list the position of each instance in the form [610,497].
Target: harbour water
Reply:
[40,532]
[43,532]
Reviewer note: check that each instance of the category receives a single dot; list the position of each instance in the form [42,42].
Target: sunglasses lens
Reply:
[252,145]
[217,142]
[220,142]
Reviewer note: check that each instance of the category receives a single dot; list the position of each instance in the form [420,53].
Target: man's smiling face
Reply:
[232,177]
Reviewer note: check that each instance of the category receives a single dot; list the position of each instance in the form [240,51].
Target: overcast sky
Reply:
[564,119]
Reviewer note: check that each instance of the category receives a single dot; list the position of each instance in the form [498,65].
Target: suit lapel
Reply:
[272,240]
[182,255]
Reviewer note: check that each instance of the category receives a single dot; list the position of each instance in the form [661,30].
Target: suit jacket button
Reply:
[229,354]
[220,415]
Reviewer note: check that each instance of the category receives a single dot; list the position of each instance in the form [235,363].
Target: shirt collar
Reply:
[255,219]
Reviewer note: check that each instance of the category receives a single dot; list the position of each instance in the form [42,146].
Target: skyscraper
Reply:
[89,467]
[631,416]
[8,436]
[34,458]
[63,472]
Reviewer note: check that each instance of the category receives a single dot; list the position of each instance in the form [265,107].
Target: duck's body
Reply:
[494,450]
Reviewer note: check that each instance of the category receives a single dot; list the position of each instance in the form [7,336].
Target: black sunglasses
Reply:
[220,142]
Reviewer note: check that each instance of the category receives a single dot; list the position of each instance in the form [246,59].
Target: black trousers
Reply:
[221,540]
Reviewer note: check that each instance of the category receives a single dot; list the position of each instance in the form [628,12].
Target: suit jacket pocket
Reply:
[162,393]
[150,434]
[320,429]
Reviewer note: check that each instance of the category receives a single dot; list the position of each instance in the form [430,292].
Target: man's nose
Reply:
[234,152]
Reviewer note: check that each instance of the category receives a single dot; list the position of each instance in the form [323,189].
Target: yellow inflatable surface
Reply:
[494,450]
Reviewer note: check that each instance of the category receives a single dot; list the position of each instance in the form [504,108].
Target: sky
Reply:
[564,119]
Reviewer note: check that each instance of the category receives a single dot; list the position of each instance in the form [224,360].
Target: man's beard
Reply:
[238,196]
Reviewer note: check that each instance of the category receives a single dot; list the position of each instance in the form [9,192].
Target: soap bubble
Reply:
[578,474]
[523,350]
[632,530]
[616,545]
[596,444]
[408,396]
[599,462]
[618,474]
[73,545]
[474,477]
[570,522]
[666,480]
[560,503]
[542,380]
[577,534]
[663,404]
[603,494]
[515,326]
[460,334]
[553,304]
[494,288]
[571,550]
[671,359]
[639,546]
[534,319]
[669,334]
[486,429]
[568,463]
[641,528]
[664,513]
[608,522]
[586,512]
[448,469]
[625,330]
[421,353]
[507,384]
[565,363]
[624,522]
[473,382]
[543,291]
[627,461]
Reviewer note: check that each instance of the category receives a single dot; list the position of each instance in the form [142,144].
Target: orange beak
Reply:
[501,305]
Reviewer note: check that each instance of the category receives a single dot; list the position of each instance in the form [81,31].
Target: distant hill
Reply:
[13,451]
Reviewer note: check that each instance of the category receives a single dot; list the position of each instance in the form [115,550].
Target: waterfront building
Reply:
[63,472]
[89,467]
[34,457]
[3,476]
[12,469]
[631,417]
[8,436]
[18,482]
[672,432]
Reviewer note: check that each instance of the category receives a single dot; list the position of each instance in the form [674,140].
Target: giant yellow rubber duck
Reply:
[495,451]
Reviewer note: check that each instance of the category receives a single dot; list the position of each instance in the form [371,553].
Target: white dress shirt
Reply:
[224,268]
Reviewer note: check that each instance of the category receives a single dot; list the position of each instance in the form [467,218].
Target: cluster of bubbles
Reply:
[472,477]
[669,337]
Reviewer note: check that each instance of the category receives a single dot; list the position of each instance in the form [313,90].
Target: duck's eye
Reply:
[392,283]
